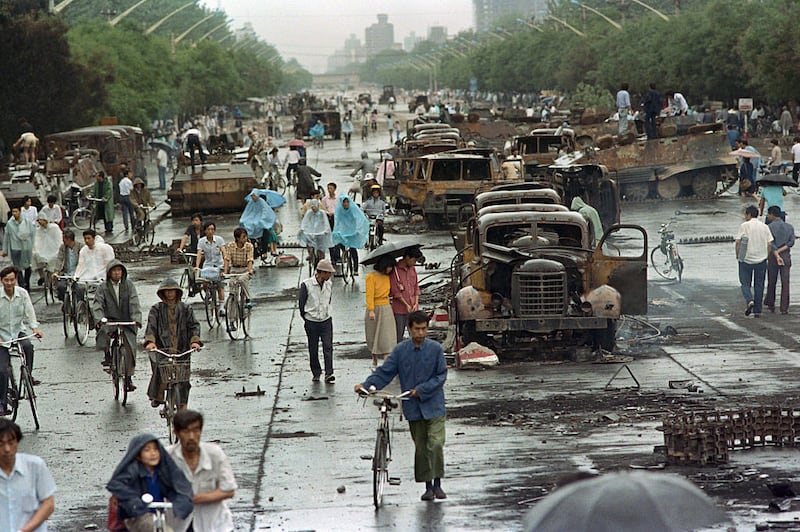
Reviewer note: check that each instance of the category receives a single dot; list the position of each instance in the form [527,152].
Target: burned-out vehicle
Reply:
[331,119]
[438,185]
[535,278]
[113,145]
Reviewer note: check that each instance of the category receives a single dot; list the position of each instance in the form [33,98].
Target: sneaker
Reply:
[221,312]
[330,379]
[155,403]
[749,309]
[315,378]
[130,387]
[106,362]
[36,382]
[439,493]
[429,495]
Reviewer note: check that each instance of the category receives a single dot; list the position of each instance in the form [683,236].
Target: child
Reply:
[148,468]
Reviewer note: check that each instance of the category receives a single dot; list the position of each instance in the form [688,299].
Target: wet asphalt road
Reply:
[292,447]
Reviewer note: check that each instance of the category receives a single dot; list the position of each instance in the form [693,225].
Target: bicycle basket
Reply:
[177,371]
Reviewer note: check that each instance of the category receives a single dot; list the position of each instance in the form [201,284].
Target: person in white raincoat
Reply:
[46,241]
[315,230]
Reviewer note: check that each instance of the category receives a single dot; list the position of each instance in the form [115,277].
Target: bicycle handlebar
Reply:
[148,500]
[178,355]
[363,392]
[105,321]
[18,340]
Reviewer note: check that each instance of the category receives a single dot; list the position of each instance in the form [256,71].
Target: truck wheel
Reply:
[467,329]
[606,339]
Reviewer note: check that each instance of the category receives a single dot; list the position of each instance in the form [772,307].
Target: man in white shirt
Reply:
[292,161]
[93,258]
[752,255]
[677,103]
[795,158]
[208,469]
[624,108]
[162,160]
[192,140]
[125,187]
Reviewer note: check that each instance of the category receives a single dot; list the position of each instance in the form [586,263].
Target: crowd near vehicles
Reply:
[528,272]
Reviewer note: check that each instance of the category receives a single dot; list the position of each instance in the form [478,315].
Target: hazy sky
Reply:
[310,30]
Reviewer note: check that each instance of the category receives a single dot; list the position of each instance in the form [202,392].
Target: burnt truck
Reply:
[527,277]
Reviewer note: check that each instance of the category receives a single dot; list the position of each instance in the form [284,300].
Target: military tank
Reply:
[215,187]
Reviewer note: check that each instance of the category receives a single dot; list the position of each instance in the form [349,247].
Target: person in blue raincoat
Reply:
[350,228]
[315,231]
[318,131]
[258,217]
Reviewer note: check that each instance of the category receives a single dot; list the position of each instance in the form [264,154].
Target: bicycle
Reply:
[144,232]
[189,279]
[159,518]
[25,388]
[383,448]
[313,257]
[177,370]
[275,180]
[49,287]
[120,351]
[85,217]
[665,257]
[237,311]
[346,264]
[373,241]
[75,312]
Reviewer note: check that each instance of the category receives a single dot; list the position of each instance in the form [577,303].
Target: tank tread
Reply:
[727,184]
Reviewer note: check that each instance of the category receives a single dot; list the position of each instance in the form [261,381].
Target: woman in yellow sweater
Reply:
[379,319]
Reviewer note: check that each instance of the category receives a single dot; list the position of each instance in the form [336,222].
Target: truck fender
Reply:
[606,302]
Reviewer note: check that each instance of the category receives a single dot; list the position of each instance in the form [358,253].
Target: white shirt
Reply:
[162,158]
[678,103]
[30,213]
[53,214]
[796,152]
[125,186]
[213,472]
[293,157]
[92,263]
[758,240]
[22,492]
[318,304]
[192,131]
[16,316]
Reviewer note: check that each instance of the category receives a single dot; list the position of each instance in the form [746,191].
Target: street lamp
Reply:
[599,14]
[180,37]
[155,26]
[532,26]
[651,8]
[60,7]
[115,20]
[208,33]
[567,25]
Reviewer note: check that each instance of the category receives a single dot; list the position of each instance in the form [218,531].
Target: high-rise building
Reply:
[437,34]
[379,37]
[487,12]
[411,41]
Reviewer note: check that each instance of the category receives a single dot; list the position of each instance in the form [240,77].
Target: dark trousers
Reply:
[192,142]
[651,126]
[773,272]
[5,366]
[753,274]
[128,214]
[289,168]
[316,331]
[795,171]
[101,215]
[400,323]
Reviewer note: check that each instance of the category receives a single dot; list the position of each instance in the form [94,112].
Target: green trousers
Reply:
[428,436]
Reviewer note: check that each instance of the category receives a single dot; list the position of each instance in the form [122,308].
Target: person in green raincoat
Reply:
[589,214]
[104,190]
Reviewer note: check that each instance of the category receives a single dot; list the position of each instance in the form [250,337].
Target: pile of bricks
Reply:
[703,438]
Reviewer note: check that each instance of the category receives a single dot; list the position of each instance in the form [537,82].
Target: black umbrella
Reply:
[393,249]
[780,180]
[163,145]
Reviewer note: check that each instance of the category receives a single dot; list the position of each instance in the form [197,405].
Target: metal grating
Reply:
[541,294]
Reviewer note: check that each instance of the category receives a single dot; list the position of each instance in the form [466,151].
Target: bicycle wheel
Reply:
[244,316]
[115,371]
[662,264]
[678,264]
[12,397]
[209,296]
[347,265]
[48,288]
[353,266]
[380,473]
[138,234]
[82,322]
[26,380]
[279,182]
[310,254]
[232,324]
[82,218]
[66,315]
[149,234]
[170,407]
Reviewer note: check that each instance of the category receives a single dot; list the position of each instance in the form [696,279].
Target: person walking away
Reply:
[379,326]
[172,328]
[732,124]
[238,259]
[776,154]
[18,243]
[27,488]
[651,105]
[292,161]
[208,470]
[193,234]
[771,195]
[795,158]
[162,161]
[390,126]
[364,167]
[125,189]
[66,261]
[745,145]
[305,183]
[404,290]
[141,199]
[364,127]
[192,139]
[314,302]
[104,190]
[210,261]
[53,211]
[398,130]
[46,241]
[624,108]
[28,211]
[786,122]
[780,259]
[147,467]
[420,365]
[753,243]
[17,317]
[373,121]
[350,228]
[117,300]
[347,131]
[747,183]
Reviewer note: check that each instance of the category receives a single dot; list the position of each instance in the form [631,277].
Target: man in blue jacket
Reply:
[419,362]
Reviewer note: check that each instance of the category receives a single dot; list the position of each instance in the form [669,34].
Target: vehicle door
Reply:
[620,261]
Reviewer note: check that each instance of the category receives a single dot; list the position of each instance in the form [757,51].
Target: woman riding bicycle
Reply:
[317,133]
[350,228]
[171,327]
[258,218]
[315,232]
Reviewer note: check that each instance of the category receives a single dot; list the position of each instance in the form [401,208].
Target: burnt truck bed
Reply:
[215,188]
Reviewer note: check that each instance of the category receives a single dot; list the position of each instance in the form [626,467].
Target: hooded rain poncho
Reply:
[257,217]
[350,226]
[129,481]
[46,241]
[315,231]
[590,214]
